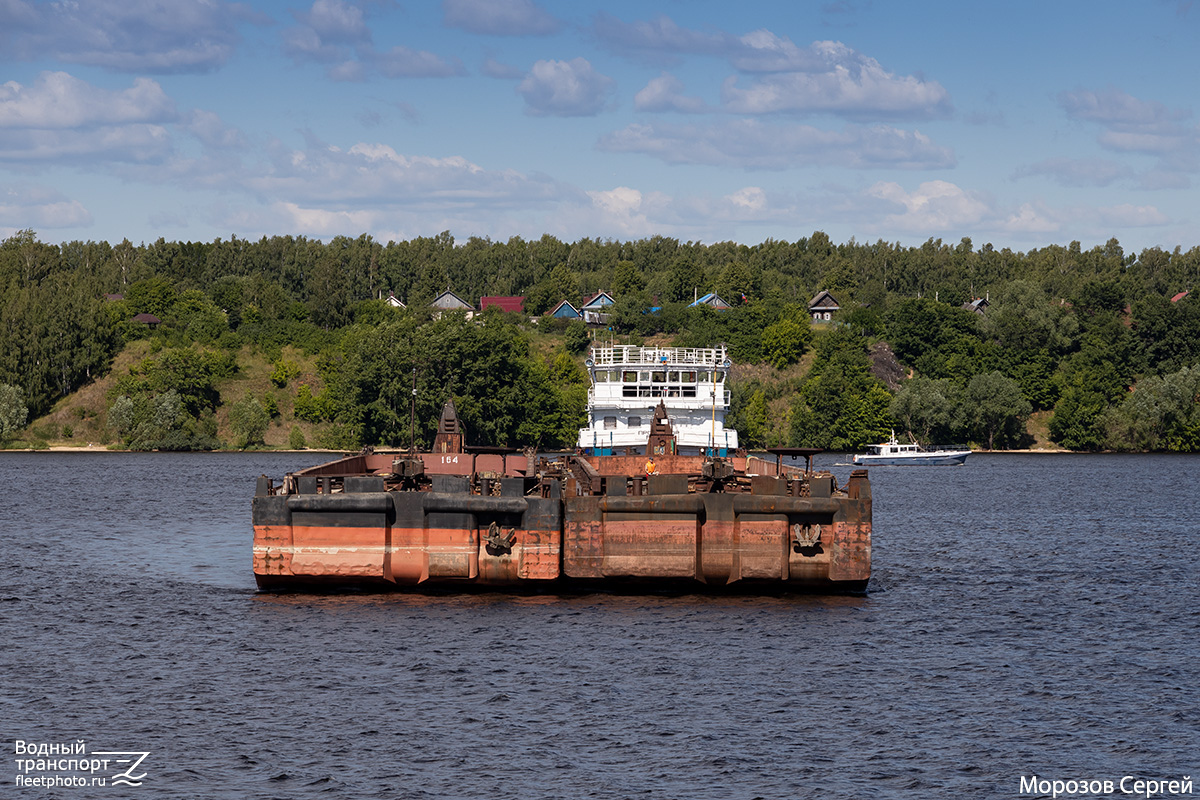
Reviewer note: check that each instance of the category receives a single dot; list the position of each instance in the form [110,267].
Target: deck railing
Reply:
[618,355]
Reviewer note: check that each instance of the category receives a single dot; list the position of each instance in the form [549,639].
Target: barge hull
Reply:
[636,533]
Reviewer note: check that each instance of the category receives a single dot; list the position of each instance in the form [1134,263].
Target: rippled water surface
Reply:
[1027,615]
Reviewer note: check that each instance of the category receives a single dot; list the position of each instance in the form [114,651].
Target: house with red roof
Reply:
[512,305]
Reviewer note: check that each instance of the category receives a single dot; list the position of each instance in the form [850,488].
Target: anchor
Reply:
[499,541]
[806,536]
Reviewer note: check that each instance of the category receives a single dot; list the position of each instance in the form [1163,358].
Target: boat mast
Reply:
[412,419]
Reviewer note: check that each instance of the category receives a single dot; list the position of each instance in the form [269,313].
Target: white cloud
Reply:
[1164,143]
[1077,172]
[751,198]
[495,69]
[825,77]
[62,118]
[658,39]
[335,21]
[1127,215]
[935,206]
[1028,219]
[335,33]
[124,143]
[404,62]
[763,51]
[864,90]
[1113,107]
[322,222]
[60,100]
[630,213]
[750,144]
[665,93]
[212,132]
[1133,125]
[372,173]
[124,35]
[499,17]
[565,89]
[38,207]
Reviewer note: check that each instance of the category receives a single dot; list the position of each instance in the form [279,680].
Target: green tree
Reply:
[296,440]
[248,420]
[1076,423]
[577,339]
[755,416]
[925,408]
[1162,413]
[308,407]
[122,416]
[627,280]
[151,296]
[785,341]
[13,411]
[283,371]
[995,409]
[840,406]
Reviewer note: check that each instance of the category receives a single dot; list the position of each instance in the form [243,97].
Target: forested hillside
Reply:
[289,341]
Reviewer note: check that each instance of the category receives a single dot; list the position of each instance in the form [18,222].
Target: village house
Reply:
[712,300]
[823,307]
[593,310]
[449,301]
[564,310]
[506,304]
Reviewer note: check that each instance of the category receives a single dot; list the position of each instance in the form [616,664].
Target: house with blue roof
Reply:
[712,299]
[564,310]
[595,310]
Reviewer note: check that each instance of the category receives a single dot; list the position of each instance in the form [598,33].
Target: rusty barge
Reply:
[462,517]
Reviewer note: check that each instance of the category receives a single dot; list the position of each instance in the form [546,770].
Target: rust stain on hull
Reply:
[494,519]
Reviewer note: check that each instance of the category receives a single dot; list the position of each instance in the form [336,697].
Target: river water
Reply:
[1028,615]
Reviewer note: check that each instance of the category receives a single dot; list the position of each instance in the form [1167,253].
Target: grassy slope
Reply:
[85,411]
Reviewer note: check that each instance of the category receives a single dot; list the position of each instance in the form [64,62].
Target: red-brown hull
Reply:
[790,532]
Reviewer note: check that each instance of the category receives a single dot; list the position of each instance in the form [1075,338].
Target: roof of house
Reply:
[600,300]
[564,309]
[114,297]
[824,300]
[450,300]
[148,319]
[710,299]
[516,304]
[978,304]
[392,300]
[1179,297]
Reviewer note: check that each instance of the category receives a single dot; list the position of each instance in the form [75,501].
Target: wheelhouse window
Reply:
[635,422]
[610,423]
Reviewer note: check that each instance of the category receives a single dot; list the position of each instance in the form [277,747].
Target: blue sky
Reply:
[1019,123]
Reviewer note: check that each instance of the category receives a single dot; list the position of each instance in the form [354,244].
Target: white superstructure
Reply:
[893,454]
[628,381]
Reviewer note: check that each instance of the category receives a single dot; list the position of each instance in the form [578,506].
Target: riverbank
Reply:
[99,448]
